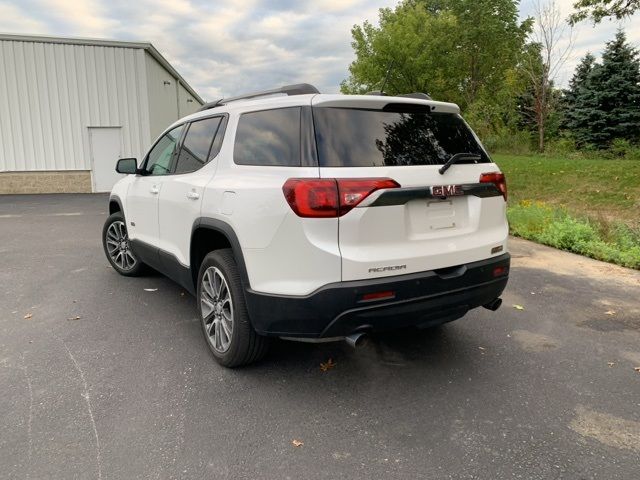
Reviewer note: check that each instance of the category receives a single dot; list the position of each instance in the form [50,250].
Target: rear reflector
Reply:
[498,179]
[377,296]
[500,271]
[330,197]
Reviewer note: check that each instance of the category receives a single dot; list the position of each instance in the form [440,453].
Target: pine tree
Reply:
[583,70]
[618,84]
[580,102]
[603,100]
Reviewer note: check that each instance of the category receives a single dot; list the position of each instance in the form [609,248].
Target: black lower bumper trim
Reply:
[420,299]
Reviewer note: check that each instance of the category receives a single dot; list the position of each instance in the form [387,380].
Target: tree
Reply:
[412,45]
[490,37]
[617,83]
[580,76]
[541,62]
[580,102]
[604,99]
[599,9]
[452,49]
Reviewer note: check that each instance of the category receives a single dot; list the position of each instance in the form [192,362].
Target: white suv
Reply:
[315,217]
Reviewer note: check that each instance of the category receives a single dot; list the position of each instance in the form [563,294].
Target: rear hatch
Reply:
[430,220]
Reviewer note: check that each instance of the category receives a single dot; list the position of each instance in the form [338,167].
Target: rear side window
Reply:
[348,137]
[196,147]
[269,138]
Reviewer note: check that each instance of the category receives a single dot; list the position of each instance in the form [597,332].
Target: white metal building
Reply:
[69,108]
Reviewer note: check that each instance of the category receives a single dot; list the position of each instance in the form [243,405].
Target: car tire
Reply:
[115,241]
[223,312]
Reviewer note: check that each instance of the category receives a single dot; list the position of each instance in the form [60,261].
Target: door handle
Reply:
[193,195]
[155,190]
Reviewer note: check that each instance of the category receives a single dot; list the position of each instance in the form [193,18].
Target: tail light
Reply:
[498,179]
[330,197]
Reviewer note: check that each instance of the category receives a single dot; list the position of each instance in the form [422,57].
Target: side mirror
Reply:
[127,165]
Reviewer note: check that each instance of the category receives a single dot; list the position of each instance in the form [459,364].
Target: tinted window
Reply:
[270,137]
[197,144]
[159,158]
[373,138]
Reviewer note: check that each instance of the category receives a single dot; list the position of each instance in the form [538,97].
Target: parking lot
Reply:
[103,376]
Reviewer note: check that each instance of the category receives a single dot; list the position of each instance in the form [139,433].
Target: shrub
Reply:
[537,221]
[517,143]
[621,148]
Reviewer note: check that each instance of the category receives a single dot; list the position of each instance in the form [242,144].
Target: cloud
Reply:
[222,48]
[226,47]
[13,18]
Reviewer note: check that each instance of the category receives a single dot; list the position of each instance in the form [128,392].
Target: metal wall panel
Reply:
[187,103]
[51,93]
[163,97]
[169,100]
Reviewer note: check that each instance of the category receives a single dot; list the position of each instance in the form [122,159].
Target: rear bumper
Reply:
[420,299]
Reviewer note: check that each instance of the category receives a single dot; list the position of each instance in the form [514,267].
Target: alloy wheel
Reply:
[217,309]
[118,246]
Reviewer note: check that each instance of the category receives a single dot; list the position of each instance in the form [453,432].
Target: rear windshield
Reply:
[349,137]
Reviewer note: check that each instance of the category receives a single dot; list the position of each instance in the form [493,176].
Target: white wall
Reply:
[168,98]
[163,97]
[187,103]
[50,94]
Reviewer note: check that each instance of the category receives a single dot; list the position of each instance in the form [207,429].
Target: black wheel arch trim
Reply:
[225,229]
[115,198]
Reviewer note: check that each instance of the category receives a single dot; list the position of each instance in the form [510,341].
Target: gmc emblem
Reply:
[446,190]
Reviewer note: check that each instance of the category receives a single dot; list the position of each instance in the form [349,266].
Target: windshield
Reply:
[349,137]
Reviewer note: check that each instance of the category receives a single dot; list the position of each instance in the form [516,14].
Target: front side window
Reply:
[269,138]
[159,158]
[197,145]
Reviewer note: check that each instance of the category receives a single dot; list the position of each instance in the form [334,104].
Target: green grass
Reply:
[588,206]
[596,188]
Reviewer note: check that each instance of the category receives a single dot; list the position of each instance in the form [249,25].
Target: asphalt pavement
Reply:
[101,378]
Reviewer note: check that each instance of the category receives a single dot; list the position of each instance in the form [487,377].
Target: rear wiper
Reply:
[456,158]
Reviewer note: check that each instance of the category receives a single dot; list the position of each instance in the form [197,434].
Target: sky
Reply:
[227,47]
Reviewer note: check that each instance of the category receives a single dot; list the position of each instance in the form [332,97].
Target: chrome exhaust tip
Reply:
[355,340]
[493,305]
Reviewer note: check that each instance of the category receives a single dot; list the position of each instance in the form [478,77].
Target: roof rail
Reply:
[418,95]
[297,89]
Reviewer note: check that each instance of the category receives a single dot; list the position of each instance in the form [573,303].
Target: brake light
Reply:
[498,179]
[352,191]
[330,197]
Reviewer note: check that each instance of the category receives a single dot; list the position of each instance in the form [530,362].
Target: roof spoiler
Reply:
[297,89]
[417,95]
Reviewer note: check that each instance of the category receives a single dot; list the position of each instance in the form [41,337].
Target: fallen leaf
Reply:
[518,307]
[481,348]
[533,293]
[28,316]
[611,364]
[297,443]
[610,312]
[77,317]
[327,366]
[150,289]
